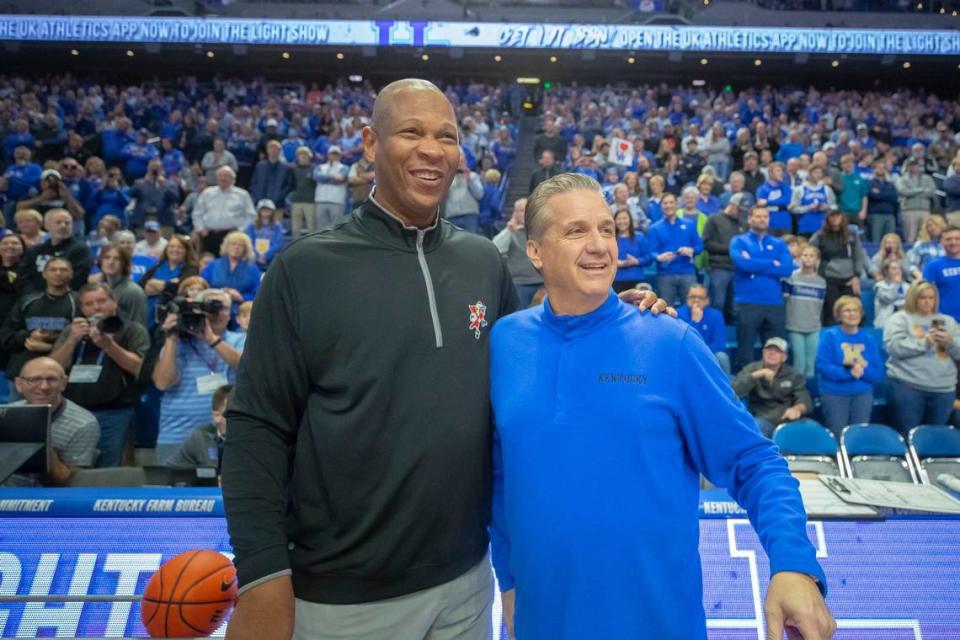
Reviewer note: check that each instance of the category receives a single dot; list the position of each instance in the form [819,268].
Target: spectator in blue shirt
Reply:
[944,272]
[775,194]
[235,271]
[848,366]
[489,204]
[19,137]
[760,261]
[708,322]
[266,233]
[20,180]
[137,155]
[674,243]
[633,252]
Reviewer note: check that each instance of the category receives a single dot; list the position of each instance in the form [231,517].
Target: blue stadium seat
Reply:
[867,297]
[876,452]
[808,446]
[935,449]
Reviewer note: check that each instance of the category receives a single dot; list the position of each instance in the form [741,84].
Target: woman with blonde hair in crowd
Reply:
[891,248]
[927,247]
[922,345]
[235,271]
[707,202]
[30,227]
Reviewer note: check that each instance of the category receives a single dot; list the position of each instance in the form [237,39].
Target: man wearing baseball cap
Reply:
[153,242]
[772,390]
[331,193]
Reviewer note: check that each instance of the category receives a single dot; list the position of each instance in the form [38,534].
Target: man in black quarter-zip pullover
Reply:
[357,468]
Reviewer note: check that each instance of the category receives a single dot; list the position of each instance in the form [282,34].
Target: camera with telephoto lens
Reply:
[107,324]
[191,314]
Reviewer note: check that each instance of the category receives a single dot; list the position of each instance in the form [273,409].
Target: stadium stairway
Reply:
[524,165]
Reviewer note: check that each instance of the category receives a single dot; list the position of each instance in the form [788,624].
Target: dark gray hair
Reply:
[535,215]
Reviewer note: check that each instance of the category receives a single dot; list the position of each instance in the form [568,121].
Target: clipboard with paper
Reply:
[892,495]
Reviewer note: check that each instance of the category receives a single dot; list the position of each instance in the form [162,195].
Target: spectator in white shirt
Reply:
[153,242]
[221,209]
[331,193]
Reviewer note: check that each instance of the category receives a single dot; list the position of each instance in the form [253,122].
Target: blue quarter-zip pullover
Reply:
[667,236]
[756,280]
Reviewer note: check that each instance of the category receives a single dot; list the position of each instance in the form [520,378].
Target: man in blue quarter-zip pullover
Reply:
[604,419]
[759,262]
[674,242]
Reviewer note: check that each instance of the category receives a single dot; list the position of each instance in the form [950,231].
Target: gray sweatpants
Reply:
[457,610]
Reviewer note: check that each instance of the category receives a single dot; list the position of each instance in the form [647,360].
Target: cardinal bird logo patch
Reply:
[478,317]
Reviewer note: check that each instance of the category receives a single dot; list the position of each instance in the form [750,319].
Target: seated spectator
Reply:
[153,242]
[177,262]
[190,368]
[74,431]
[944,273]
[115,266]
[489,205]
[891,248]
[674,243]
[848,366]
[708,322]
[221,209]
[30,227]
[60,244]
[889,292]
[235,271]
[266,233]
[204,446]
[37,319]
[103,357]
[633,252]
[512,244]
[773,391]
[921,346]
[841,261]
[927,248]
[805,292]
[759,262]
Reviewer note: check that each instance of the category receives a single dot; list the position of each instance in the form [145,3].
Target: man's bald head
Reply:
[383,106]
[42,381]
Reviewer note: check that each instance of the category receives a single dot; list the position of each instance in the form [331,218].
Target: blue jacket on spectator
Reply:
[136,157]
[14,140]
[944,273]
[836,354]
[756,280]
[664,236]
[112,142]
[109,201]
[711,327]
[489,204]
[245,278]
[882,198]
[271,181]
[639,249]
[21,179]
[778,197]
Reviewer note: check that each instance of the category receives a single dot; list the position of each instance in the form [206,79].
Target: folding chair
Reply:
[876,452]
[935,448]
[808,446]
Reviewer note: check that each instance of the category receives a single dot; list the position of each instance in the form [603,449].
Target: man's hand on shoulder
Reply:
[794,604]
[265,612]
[647,301]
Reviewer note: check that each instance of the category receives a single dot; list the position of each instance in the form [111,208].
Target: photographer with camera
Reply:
[198,357]
[38,318]
[55,194]
[102,355]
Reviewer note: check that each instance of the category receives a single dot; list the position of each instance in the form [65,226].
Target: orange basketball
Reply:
[189,596]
